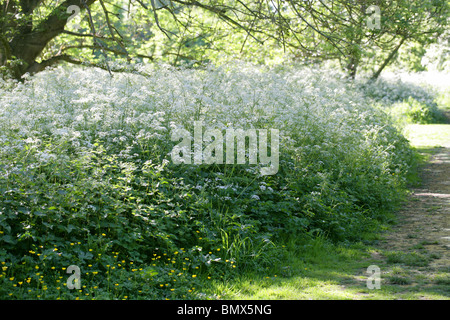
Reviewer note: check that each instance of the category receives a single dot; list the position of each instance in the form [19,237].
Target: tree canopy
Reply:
[36,34]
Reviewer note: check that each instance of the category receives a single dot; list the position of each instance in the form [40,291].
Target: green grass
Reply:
[411,259]
[331,272]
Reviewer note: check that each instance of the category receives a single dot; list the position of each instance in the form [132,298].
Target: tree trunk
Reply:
[29,43]
[388,60]
[354,57]
[352,67]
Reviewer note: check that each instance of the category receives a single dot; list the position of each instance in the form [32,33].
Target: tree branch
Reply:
[90,35]
[388,59]
[96,46]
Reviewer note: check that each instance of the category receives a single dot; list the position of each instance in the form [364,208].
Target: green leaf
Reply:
[85,255]
[8,239]
[38,213]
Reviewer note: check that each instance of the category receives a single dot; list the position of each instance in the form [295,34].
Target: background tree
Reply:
[344,29]
[36,34]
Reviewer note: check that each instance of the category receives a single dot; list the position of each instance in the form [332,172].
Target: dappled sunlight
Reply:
[327,286]
[434,195]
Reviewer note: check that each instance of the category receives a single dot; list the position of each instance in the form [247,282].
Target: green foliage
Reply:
[412,111]
[86,177]
[407,102]
[189,32]
[410,57]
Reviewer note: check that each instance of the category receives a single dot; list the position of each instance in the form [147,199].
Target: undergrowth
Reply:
[86,177]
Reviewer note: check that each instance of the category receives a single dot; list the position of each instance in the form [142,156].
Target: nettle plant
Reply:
[86,176]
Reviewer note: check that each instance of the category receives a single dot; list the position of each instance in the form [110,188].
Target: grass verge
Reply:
[316,269]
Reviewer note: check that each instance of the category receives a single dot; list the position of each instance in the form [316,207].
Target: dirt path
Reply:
[425,219]
[415,253]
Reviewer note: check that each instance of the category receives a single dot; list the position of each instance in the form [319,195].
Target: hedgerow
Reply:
[87,179]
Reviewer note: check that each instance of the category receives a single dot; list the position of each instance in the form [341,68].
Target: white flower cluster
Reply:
[318,116]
